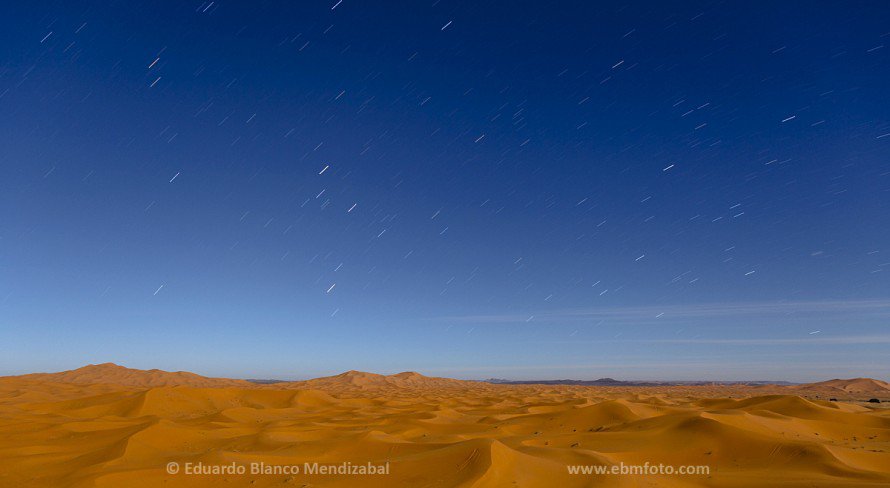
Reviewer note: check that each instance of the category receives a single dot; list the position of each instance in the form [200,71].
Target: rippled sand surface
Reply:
[108,426]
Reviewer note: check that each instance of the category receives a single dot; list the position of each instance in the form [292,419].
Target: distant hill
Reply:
[360,380]
[852,385]
[354,381]
[111,373]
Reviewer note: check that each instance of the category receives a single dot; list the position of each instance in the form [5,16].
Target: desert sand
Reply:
[109,426]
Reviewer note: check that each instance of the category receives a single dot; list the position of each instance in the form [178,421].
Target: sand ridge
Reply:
[855,385]
[110,373]
[63,430]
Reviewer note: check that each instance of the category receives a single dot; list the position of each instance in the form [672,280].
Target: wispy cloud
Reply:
[708,369]
[804,341]
[654,313]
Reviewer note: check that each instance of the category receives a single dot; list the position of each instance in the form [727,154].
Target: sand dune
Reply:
[111,373]
[855,385]
[108,426]
[358,380]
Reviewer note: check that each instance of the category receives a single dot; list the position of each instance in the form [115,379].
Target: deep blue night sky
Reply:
[522,190]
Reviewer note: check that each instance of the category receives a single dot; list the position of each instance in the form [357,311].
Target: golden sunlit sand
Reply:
[109,426]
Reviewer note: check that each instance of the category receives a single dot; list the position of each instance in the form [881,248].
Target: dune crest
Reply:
[359,380]
[853,385]
[110,373]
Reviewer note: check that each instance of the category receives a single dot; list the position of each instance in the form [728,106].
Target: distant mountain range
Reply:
[355,381]
[614,382]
